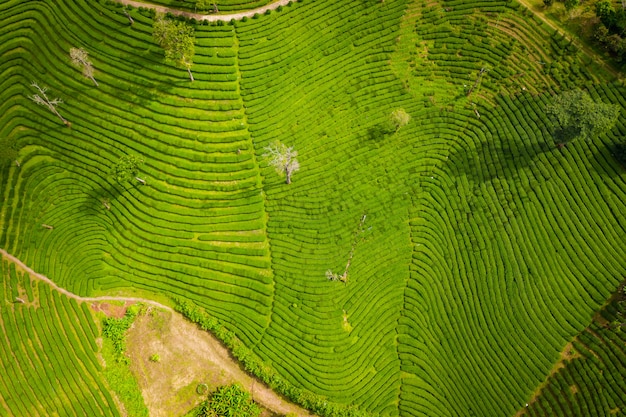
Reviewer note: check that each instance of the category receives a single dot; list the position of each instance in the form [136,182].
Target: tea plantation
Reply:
[48,353]
[476,249]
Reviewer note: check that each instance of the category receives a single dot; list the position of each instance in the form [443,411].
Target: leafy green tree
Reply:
[229,401]
[282,158]
[127,168]
[604,9]
[575,115]
[400,118]
[570,4]
[548,3]
[178,41]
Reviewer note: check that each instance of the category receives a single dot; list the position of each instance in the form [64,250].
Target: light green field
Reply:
[485,250]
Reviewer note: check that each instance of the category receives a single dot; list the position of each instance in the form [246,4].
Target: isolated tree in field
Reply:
[127,168]
[400,118]
[80,58]
[282,158]
[177,39]
[575,115]
[42,99]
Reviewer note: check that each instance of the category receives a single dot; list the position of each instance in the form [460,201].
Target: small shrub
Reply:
[202,389]
[155,358]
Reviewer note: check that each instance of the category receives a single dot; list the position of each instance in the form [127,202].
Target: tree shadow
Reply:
[100,196]
[609,161]
[497,159]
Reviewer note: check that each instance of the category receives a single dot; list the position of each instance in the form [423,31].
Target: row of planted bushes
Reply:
[253,365]
[45,339]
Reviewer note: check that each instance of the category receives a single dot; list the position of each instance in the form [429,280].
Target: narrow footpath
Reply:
[218,354]
[207,17]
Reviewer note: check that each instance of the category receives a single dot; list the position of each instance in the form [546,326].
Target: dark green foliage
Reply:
[126,168]
[229,401]
[570,4]
[115,330]
[611,31]
[575,115]
[619,152]
[548,3]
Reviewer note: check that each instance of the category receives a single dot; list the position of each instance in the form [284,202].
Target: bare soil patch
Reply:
[111,310]
[187,357]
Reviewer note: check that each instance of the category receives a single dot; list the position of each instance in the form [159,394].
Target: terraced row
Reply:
[223,6]
[515,246]
[315,76]
[592,380]
[197,228]
[516,49]
[48,353]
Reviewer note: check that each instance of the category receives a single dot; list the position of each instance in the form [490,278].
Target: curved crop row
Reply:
[591,382]
[47,353]
[197,228]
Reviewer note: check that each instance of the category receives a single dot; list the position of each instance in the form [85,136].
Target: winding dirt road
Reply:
[207,344]
[207,17]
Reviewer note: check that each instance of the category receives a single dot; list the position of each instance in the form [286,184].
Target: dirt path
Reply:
[207,17]
[33,274]
[593,54]
[188,358]
[180,342]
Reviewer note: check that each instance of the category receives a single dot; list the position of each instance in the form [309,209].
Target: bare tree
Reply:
[43,100]
[130,19]
[80,58]
[282,158]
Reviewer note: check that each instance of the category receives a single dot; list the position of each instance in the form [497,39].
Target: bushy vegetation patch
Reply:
[228,401]
[117,371]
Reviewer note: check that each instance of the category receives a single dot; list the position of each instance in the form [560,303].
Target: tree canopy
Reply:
[575,115]
[178,41]
[400,118]
[126,168]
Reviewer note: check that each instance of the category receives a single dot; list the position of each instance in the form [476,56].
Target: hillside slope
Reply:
[476,250]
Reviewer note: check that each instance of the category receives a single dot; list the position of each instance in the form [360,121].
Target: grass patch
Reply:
[117,371]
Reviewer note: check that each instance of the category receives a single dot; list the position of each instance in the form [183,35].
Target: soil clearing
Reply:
[187,357]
